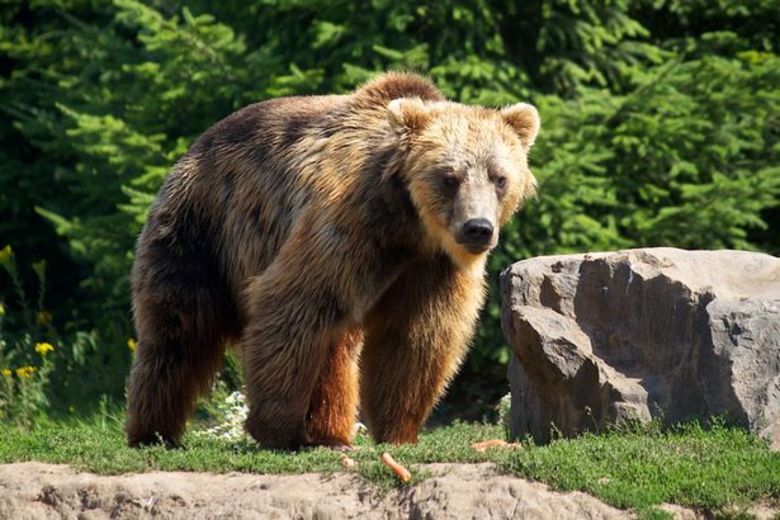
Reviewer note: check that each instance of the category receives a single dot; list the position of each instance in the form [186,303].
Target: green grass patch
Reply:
[711,469]
[691,466]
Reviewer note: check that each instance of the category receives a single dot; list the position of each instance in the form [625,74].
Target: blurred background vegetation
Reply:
[661,126]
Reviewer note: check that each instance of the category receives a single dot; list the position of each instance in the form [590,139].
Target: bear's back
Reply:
[245,181]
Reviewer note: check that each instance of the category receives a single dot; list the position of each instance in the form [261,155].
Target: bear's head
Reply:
[466,169]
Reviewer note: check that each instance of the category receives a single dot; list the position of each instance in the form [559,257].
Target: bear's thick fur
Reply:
[339,242]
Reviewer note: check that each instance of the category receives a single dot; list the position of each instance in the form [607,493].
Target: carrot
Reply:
[493,443]
[401,472]
[348,462]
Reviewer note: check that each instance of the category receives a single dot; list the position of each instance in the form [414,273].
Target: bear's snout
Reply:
[476,235]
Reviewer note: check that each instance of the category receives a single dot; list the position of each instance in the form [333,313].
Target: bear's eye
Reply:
[500,182]
[451,182]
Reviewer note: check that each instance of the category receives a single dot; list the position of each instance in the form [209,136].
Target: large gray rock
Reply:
[638,334]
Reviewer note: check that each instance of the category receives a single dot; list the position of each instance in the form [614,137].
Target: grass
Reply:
[714,469]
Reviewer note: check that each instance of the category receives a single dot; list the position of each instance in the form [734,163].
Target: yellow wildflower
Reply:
[43,348]
[25,372]
[40,268]
[6,372]
[43,317]
[5,254]
[2,309]
[131,344]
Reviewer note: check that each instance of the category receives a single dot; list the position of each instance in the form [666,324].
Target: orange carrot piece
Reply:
[401,472]
[483,446]
[348,462]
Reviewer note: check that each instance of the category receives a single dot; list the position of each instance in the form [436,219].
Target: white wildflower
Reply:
[504,409]
[359,429]
[235,410]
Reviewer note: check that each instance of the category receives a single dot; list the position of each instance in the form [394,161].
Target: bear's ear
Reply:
[524,120]
[408,114]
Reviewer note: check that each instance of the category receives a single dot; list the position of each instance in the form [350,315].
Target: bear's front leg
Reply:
[416,338]
[296,311]
[286,343]
[333,410]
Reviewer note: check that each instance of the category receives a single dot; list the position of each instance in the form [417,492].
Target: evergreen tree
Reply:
[660,121]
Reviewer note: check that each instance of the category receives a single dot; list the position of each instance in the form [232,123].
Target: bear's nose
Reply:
[478,231]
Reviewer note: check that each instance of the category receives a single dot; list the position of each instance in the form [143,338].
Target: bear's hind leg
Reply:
[333,407]
[181,325]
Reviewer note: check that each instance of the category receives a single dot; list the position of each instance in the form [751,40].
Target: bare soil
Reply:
[33,490]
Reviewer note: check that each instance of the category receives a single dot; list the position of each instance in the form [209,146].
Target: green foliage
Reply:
[660,123]
[43,369]
[25,359]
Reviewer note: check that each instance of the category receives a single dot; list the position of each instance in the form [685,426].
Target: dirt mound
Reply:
[32,490]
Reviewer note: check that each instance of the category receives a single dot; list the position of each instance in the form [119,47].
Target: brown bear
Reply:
[340,243]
